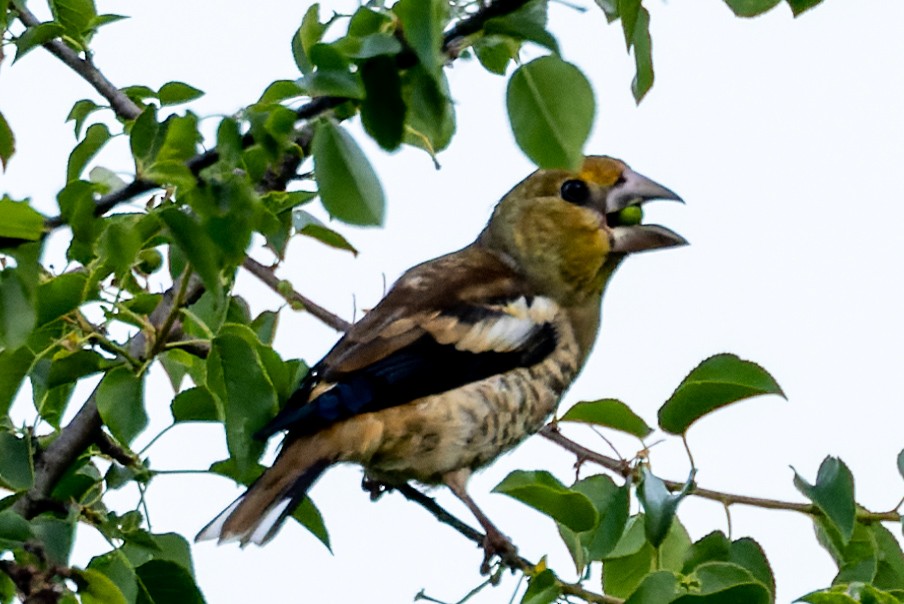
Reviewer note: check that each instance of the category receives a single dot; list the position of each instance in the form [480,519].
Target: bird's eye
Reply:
[575,191]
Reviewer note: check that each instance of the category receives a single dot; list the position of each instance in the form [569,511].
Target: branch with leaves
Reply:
[205,208]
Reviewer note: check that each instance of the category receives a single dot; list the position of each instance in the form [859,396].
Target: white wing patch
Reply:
[511,330]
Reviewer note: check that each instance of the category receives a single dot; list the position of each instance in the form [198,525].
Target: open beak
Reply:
[635,189]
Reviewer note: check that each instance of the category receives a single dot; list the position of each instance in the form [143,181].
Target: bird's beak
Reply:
[635,189]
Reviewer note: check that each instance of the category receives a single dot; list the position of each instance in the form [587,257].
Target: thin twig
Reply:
[83,430]
[126,109]
[617,466]
[120,103]
[284,289]
[514,562]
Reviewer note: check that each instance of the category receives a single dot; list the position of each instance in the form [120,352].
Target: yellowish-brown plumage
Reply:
[466,355]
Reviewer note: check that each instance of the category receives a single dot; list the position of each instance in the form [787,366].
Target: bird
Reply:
[465,356]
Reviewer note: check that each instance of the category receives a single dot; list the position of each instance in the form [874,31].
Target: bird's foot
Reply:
[376,488]
[495,544]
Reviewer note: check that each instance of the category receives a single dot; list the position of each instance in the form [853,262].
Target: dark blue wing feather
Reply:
[420,369]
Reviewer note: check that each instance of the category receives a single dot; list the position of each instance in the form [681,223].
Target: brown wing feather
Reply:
[417,300]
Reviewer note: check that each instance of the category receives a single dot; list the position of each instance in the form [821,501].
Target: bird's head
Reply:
[567,231]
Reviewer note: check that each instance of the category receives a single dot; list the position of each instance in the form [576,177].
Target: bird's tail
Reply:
[256,516]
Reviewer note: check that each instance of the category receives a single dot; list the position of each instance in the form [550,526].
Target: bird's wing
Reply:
[447,323]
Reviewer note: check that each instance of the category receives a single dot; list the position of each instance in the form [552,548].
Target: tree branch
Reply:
[284,289]
[121,104]
[514,562]
[126,109]
[621,467]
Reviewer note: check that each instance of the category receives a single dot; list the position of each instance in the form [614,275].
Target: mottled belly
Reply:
[467,427]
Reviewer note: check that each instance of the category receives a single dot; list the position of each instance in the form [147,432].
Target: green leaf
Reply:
[56,535]
[309,33]
[496,52]
[608,412]
[139,93]
[542,589]
[744,552]
[117,569]
[142,547]
[166,582]
[196,405]
[307,224]
[716,382]
[146,138]
[799,6]
[14,365]
[334,82]
[17,315]
[833,494]
[369,46]
[181,139]
[7,142]
[751,8]
[383,110]
[901,463]
[80,112]
[280,90]
[349,188]
[613,519]
[200,251]
[170,173]
[309,517]
[643,56]
[120,402]
[609,8]
[96,137]
[120,243]
[35,36]
[731,582]
[16,465]
[71,367]
[264,325]
[550,106]
[18,220]
[77,208]
[528,23]
[74,15]
[543,492]
[633,558]
[106,19]
[431,115]
[660,587]
[99,589]
[612,506]
[747,553]
[14,530]
[236,374]
[422,23]
[659,504]
[175,93]
[61,295]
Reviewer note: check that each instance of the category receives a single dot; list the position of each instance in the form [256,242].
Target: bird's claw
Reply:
[376,488]
[495,544]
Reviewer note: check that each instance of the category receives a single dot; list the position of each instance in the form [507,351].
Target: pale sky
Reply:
[786,139]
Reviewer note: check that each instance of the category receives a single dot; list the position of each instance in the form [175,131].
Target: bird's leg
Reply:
[494,542]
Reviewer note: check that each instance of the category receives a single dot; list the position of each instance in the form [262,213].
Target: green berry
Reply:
[629,216]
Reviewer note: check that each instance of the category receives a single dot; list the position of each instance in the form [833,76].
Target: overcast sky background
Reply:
[786,139]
